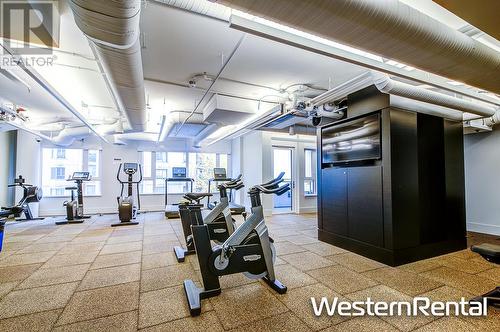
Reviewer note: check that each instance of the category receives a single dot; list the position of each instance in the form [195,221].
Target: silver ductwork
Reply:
[429,102]
[205,8]
[68,136]
[390,86]
[390,29]
[112,28]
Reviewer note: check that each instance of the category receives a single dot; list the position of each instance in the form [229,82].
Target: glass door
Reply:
[282,162]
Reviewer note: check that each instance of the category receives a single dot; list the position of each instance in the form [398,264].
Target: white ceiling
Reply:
[179,44]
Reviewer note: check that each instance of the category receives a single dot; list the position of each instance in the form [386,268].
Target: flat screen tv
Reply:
[352,141]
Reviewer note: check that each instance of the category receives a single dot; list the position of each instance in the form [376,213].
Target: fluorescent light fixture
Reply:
[455,83]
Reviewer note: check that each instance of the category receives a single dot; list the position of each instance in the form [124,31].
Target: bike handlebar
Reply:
[278,190]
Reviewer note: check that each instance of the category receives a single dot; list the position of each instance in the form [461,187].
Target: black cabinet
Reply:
[407,205]
[334,200]
[352,203]
[364,197]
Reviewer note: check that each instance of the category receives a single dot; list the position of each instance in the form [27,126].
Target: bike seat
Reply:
[197,196]
[71,188]
[490,252]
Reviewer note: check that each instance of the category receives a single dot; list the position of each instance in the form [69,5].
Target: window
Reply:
[58,164]
[309,172]
[58,154]
[201,168]
[57,173]
[93,188]
[158,166]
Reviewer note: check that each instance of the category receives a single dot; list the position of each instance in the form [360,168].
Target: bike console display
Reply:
[80,176]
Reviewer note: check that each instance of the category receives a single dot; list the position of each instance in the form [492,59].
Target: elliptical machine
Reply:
[127,210]
[31,194]
[248,250]
[219,220]
[74,207]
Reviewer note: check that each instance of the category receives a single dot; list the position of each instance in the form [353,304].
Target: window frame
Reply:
[186,157]
[314,177]
[84,168]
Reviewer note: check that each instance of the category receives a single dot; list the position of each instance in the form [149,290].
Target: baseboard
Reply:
[483,228]
[312,209]
[102,210]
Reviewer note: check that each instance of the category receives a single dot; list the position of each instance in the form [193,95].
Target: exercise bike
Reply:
[31,194]
[74,207]
[248,250]
[219,220]
[127,210]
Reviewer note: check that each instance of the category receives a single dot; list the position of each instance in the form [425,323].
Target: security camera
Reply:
[192,84]
[316,120]
[38,140]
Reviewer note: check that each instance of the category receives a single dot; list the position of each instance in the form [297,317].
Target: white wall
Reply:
[257,164]
[27,164]
[112,155]
[482,183]
[4,168]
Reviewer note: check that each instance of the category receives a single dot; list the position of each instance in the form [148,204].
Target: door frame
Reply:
[294,176]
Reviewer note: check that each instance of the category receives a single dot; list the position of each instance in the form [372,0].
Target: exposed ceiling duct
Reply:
[205,8]
[390,86]
[68,136]
[112,28]
[444,105]
[192,125]
[390,29]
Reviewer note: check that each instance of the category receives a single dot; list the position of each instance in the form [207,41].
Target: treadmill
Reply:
[220,175]
[179,174]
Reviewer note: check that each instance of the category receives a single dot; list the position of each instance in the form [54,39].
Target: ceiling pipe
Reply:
[390,29]
[68,136]
[112,28]
[387,85]
[226,62]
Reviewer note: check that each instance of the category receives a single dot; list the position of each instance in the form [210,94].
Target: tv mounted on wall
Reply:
[352,141]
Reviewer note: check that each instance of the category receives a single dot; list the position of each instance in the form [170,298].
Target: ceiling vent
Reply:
[225,110]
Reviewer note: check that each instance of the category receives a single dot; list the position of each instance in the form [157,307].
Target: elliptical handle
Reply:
[118,173]
[140,174]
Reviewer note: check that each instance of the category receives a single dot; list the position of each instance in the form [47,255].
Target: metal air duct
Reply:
[112,28]
[390,29]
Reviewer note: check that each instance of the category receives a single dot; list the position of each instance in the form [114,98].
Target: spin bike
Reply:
[248,250]
[219,221]
[74,207]
[127,210]
[31,194]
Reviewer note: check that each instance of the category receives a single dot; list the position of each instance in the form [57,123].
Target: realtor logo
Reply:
[29,27]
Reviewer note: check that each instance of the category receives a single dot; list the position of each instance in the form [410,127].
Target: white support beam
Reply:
[54,93]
